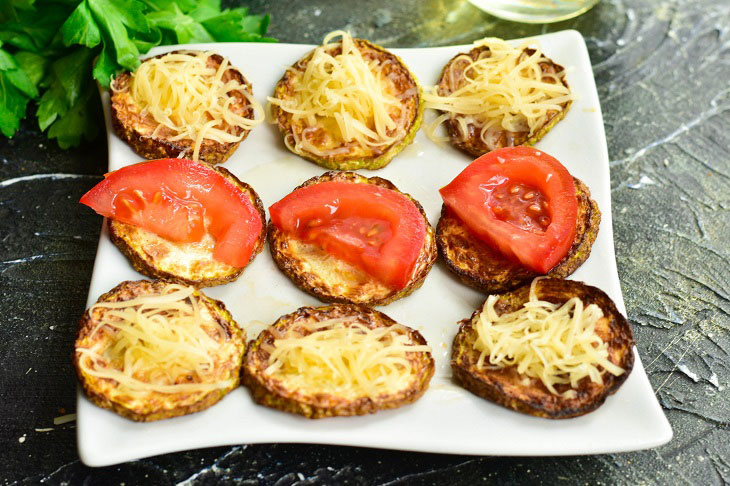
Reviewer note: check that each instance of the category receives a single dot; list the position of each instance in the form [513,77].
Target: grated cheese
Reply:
[164,343]
[555,343]
[344,357]
[505,89]
[347,96]
[193,100]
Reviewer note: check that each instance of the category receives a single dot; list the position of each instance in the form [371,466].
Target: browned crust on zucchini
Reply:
[484,268]
[270,392]
[473,144]
[396,69]
[160,406]
[144,258]
[362,288]
[504,386]
[136,129]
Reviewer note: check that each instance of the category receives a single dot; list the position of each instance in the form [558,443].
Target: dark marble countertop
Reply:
[663,74]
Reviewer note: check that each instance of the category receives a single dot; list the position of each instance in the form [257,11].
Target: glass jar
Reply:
[534,11]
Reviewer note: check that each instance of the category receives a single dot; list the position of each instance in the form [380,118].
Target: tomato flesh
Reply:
[181,201]
[520,205]
[519,200]
[378,230]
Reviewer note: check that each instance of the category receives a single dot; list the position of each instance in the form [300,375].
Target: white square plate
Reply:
[447,419]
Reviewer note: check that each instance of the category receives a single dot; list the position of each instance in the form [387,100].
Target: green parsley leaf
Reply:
[6,61]
[52,103]
[34,31]
[17,39]
[184,5]
[72,72]
[7,8]
[127,54]
[81,119]
[186,29]
[15,75]
[146,41]
[205,10]
[256,24]
[67,80]
[234,26]
[12,106]
[21,81]
[80,28]
[106,66]
[33,65]
[129,12]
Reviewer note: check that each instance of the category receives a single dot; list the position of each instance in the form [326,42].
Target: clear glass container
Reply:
[534,11]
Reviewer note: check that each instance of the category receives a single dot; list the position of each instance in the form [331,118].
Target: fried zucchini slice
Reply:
[179,131]
[330,112]
[133,351]
[290,365]
[185,263]
[484,268]
[503,124]
[507,387]
[331,279]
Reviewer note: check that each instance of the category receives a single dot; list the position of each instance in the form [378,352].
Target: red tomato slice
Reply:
[376,229]
[181,200]
[519,200]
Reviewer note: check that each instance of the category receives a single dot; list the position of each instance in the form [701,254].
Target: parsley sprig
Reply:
[51,51]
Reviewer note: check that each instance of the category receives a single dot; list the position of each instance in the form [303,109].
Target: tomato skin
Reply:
[469,196]
[181,200]
[379,230]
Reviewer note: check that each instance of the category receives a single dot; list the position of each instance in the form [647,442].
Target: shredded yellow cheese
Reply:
[344,357]
[192,99]
[555,343]
[346,95]
[164,343]
[505,89]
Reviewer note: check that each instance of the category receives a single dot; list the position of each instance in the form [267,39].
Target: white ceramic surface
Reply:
[447,419]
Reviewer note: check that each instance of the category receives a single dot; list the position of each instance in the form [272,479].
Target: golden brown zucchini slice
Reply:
[484,268]
[156,112]
[338,360]
[486,361]
[348,105]
[485,107]
[331,279]
[185,263]
[154,350]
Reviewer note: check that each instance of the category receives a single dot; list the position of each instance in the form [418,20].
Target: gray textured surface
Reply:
[663,73]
